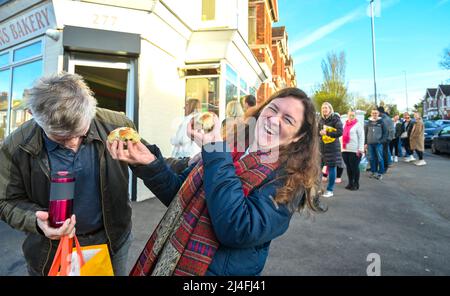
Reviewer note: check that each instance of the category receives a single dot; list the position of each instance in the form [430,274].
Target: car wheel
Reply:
[433,149]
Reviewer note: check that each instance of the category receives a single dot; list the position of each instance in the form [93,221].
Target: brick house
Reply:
[443,97]
[283,73]
[262,14]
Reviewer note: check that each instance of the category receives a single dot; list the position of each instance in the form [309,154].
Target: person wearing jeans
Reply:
[376,160]
[330,127]
[376,134]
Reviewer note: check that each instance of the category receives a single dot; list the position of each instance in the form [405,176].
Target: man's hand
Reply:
[68,228]
[135,154]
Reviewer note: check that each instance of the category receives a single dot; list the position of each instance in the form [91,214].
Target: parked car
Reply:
[430,131]
[441,141]
[442,122]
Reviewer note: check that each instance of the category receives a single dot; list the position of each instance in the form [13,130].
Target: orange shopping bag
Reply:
[84,261]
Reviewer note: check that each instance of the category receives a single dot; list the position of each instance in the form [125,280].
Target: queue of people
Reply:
[381,139]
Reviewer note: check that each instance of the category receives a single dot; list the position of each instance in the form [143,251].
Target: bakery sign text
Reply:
[26,26]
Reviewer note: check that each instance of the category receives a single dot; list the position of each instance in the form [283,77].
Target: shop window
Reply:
[236,87]
[232,75]
[252,25]
[16,77]
[244,88]
[4,59]
[22,80]
[231,92]
[29,51]
[206,90]
[208,10]
[4,91]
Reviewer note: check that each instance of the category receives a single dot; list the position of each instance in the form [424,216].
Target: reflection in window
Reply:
[205,90]
[23,78]
[4,89]
[232,75]
[29,51]
[231,92]
[4,59]
[243,90]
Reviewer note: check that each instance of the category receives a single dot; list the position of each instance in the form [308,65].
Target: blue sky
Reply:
[410,36]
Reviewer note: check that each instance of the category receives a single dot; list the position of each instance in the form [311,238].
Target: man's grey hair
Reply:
[62,104]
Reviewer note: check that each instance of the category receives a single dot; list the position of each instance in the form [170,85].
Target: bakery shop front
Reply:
[142,58]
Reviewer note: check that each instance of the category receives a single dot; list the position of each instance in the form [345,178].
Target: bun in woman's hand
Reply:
[205,120]
[124,134]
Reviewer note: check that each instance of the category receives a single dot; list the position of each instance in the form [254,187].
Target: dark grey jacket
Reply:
[376,132]
[25,186]
[389,125]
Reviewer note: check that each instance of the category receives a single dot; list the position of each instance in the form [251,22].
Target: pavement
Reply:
[404,219]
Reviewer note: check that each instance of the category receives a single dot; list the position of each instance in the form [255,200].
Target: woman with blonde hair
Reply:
[225,210]
[417,139]
[234,115]
[330,129]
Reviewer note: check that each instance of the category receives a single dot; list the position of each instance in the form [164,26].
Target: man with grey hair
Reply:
[67,133]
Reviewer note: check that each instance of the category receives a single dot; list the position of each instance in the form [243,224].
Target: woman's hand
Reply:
[200,137]
[68,228]
[323,132]
[135,154]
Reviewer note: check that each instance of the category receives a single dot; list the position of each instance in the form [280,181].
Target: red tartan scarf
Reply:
[184,242]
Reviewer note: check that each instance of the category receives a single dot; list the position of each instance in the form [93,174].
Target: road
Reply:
[404,219]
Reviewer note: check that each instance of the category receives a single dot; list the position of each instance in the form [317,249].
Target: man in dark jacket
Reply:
[376,133]
[394,146]
[389,126]
[67,133]
[407,126]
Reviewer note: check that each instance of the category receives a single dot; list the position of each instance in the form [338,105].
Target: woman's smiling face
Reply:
[279,122]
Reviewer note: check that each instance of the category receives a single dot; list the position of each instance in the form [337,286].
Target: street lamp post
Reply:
[406,92]
[373,52]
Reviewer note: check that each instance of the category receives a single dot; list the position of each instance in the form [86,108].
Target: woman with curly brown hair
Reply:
[225,210]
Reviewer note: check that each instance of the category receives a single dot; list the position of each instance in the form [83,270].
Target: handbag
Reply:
[363,164]
[80,261]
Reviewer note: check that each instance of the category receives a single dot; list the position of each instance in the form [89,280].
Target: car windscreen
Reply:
[430,124]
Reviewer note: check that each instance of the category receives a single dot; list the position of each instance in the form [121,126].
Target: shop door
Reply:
[111,79]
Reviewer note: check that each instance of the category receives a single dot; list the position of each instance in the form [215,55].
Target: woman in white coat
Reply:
[183,146]
[352,149]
